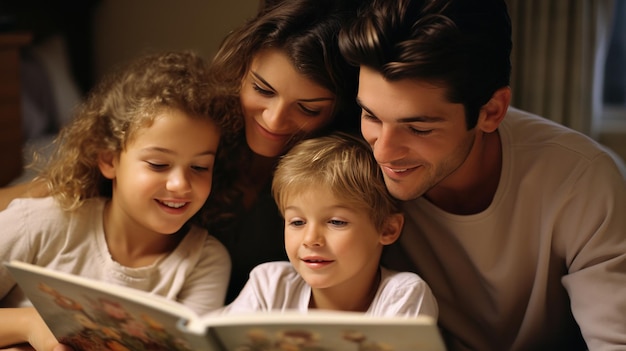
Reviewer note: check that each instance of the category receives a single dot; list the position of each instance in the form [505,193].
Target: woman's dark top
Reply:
[256,236]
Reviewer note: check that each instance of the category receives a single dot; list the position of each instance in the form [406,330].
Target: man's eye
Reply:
[421,131]
[368,117]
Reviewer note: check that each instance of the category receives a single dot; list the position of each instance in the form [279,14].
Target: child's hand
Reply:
[20,327]
[39,336]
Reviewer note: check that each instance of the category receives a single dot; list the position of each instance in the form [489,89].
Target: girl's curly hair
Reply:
[120,105]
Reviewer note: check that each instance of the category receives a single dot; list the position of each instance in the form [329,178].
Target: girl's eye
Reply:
[157,166]
[262,91]
[200,168]
[337,223]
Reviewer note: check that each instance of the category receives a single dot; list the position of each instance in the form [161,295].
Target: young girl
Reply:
[338,218]
[128,182]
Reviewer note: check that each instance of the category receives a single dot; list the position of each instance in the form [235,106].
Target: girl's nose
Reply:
[178,181]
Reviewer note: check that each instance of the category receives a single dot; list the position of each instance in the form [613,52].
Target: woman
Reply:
[282,74]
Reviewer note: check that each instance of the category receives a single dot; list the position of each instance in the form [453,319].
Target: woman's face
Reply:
[281,105]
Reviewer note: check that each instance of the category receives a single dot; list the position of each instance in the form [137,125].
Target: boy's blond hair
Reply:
[341,163]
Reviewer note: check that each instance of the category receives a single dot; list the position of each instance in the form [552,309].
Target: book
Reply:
[92,315]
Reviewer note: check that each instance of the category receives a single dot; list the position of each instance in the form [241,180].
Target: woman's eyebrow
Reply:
[258,76]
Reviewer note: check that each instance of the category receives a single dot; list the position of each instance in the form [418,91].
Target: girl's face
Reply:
[280,105]
[164,175]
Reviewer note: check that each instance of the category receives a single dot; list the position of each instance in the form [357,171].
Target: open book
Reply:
[92,315]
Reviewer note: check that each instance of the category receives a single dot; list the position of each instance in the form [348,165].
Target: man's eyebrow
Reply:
[421,118]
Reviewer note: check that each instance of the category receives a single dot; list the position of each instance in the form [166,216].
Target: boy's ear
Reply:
[106,163]
[493,112]
[392,229]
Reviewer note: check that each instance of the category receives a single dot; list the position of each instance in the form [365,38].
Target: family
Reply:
[342,155]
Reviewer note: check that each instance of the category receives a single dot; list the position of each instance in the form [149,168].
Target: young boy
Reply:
[338,218]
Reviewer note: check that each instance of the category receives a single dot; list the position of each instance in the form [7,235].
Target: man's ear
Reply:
[106,163]
[392,229]
[493,112]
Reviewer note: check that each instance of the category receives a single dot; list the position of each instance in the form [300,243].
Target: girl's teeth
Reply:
[174,204]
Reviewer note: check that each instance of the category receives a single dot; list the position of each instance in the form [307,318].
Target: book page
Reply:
[323,330]
[92,315]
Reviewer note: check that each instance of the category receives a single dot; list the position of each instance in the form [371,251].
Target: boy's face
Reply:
[418,137]
[332,244]
[164,176]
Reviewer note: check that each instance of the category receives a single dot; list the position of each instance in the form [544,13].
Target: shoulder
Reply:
[524,130]
[36,212]
[394,280]
[403,294]
[198,242]
[525,135]
[34,204]
[402,286]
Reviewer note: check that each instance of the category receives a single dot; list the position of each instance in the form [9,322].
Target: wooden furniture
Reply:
[10,106]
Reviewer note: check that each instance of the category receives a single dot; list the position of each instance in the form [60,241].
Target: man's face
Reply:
[418,137]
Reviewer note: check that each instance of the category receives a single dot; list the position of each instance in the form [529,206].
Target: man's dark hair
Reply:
[461,45]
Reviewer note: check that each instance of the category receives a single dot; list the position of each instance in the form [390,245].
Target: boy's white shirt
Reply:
[277,286]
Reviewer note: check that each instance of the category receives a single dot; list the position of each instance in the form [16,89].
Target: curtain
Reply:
[559,50]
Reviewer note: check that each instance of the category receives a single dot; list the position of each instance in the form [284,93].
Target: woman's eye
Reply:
[309,111]
[262,91]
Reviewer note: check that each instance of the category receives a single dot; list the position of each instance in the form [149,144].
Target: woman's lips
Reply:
[271,135]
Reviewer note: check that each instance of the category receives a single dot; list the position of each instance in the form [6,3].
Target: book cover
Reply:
[91,315]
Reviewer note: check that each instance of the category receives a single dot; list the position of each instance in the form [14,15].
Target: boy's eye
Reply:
[157,166]
[296,223]
[337,222]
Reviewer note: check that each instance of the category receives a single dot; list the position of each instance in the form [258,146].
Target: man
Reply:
[518,224]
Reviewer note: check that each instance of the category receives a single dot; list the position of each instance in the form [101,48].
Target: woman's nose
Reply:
[276,116]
